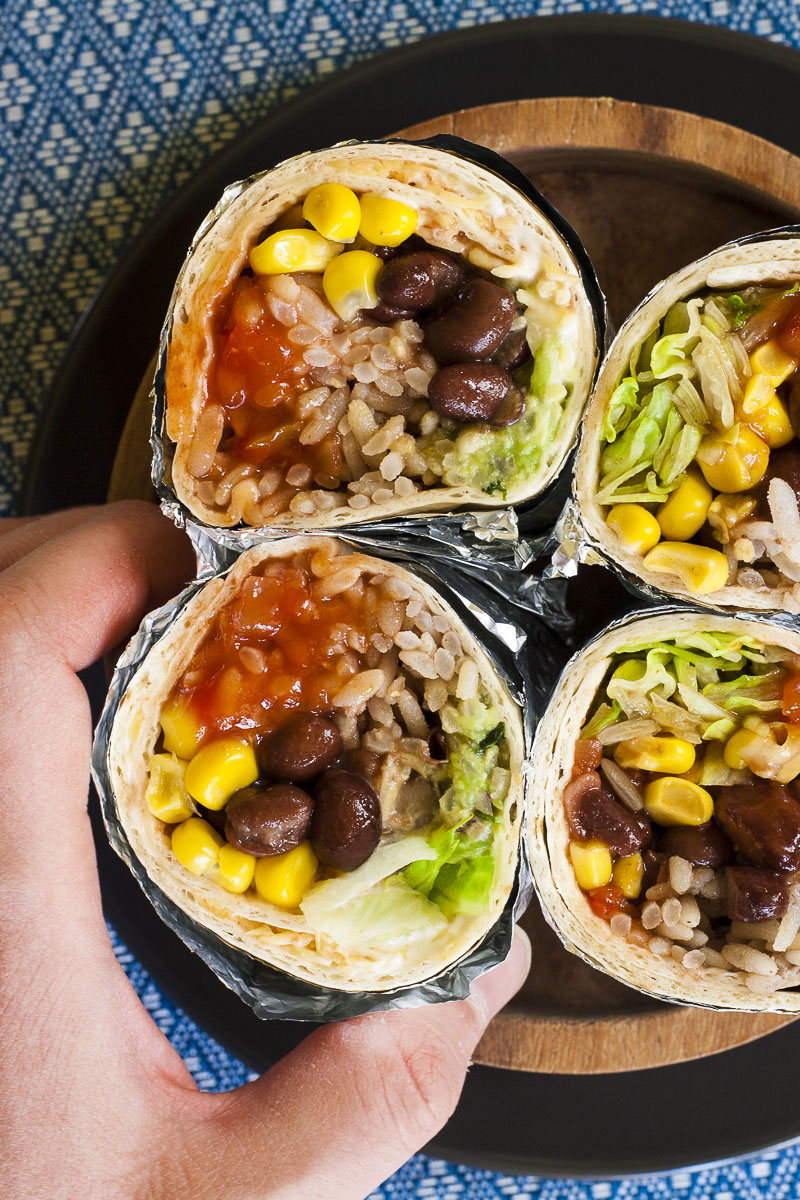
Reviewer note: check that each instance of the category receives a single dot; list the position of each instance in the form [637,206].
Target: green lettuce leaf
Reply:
[621,408]
[459,877]
[392,914]
[462,889]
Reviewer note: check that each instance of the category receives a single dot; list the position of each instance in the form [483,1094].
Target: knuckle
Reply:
[429,1079]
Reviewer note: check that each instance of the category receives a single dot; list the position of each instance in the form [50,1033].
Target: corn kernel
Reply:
[349,283]
[668,755]
[628,875]
[772,361]
[772,423]
[674,801]
[293,250]
[636,528]
[334,211]
[736,743]
[386,222]
[219,769]
[196,845]
[291,219]
[183,730]
[733,461]
[236,869]
[700,570]
[757,392]
[726,511]
[166,797]
[591,862]
[283,879]
[685,512]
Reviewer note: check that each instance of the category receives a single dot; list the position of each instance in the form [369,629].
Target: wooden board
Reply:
[648,189]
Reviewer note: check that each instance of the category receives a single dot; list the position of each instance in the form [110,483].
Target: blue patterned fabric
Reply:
[105,109]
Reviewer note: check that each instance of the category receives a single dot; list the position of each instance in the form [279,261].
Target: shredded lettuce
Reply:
[606,714]
[391,914]
[697,687]
[632,693]
[621,408]
[385,861]
[459,878]
[684,379]
[463,889]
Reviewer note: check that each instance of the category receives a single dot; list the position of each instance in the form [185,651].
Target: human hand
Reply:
[95,1103]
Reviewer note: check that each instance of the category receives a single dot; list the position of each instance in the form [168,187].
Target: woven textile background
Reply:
[106,107]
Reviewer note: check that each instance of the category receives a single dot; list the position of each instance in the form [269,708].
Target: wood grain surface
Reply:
[648,190]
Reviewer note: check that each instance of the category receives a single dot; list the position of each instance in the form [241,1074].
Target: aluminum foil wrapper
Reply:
[630,614]
[526,659]
[505,539]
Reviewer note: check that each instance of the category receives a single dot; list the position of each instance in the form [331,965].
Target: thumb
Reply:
[356,1099]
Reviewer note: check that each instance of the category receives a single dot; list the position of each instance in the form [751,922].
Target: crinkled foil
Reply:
[527,660]
[660,610]
[505,540]
[571,543]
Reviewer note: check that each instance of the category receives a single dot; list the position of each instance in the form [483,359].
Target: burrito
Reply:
[319,763]
[373,330]
[666,838]
[688,475]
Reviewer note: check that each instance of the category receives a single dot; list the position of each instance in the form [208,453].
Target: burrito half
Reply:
[372,330]
[688,474]
[319,763]
[666,839]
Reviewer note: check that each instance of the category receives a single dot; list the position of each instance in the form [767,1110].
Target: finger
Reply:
[354,1100]
[20,535]
[75,596]
[61,607]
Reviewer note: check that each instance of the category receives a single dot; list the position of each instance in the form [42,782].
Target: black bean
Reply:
[593,812]
[475,325]
[755,895]
[420,280]
[703,845]
[384,314]
[362,761]
[514,350]
[301,748]
[510,409]
[268,819]
[346,826]
[762,819]
[469,391]
[437,746]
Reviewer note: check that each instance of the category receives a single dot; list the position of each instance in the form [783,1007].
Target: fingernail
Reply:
[494,989]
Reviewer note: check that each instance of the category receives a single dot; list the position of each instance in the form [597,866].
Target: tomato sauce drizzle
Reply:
[256,376]
[298,636]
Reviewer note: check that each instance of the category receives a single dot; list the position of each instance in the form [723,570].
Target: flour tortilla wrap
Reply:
[463,207]
[564,904]
[268,933]
[763,259]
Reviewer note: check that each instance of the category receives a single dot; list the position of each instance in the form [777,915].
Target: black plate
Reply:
[511,1121]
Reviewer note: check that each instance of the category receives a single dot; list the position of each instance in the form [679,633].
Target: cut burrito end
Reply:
[689,470]
[372,330]
[319,763]
[667,846]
